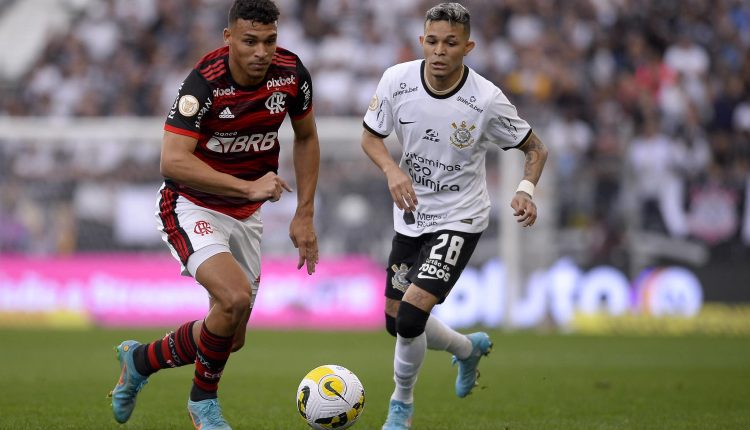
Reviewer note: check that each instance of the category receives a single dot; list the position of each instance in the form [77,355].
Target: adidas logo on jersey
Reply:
[226,113]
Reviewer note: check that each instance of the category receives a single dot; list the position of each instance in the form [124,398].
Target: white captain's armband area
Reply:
[527,187]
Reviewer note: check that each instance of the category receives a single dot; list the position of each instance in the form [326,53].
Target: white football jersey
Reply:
[445,140]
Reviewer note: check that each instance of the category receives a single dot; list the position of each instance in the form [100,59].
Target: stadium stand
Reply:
[645,105]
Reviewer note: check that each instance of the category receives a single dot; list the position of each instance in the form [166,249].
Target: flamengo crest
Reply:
[275,102]
[461,137]
[202,228]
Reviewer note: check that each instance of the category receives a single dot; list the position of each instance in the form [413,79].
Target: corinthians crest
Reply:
[461,137]
[398,280]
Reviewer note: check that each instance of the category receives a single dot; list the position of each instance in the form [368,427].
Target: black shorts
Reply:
[432,261]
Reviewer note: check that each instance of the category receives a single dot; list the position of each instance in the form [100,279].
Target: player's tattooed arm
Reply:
[536,156]
[524,209]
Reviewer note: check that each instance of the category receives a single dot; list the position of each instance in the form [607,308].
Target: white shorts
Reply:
[194,234]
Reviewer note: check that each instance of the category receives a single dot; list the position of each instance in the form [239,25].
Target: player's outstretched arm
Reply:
[522,203]
[306,155]
[399,184]
[179,163]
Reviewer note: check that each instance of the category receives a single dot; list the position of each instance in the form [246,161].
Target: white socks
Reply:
[443,338]
[406,363]
[410,353]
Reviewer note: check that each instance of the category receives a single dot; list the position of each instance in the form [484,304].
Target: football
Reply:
[330,397]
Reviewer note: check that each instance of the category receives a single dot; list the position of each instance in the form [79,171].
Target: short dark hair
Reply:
[454,13]
[262,11]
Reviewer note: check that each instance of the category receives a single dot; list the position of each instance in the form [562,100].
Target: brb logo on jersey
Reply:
[257,142]
[275,103]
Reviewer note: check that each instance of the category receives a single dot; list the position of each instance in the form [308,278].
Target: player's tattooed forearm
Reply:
[536,156]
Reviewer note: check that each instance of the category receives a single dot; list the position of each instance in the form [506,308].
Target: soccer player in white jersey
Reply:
[446,116]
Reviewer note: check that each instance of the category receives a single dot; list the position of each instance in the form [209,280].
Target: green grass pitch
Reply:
[59,380]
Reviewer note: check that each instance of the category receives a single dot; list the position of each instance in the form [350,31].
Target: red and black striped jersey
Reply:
[237,127]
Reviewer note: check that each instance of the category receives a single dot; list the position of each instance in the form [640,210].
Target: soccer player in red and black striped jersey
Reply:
[220,157]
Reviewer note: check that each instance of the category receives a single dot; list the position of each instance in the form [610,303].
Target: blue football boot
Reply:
[130,383]
[206,415]
[467,368]
[399,416]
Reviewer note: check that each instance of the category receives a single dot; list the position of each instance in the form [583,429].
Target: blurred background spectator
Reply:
[645,105]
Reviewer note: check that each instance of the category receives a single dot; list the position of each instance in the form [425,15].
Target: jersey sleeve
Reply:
[506,128]
[302,104]
[379,118]
[191,105]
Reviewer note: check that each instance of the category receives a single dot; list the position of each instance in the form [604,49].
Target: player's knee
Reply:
[234,305]
[239,303]
[390,325]
[410,321]
[237,344]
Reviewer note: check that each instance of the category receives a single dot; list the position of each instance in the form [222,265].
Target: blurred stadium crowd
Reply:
[644,104]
